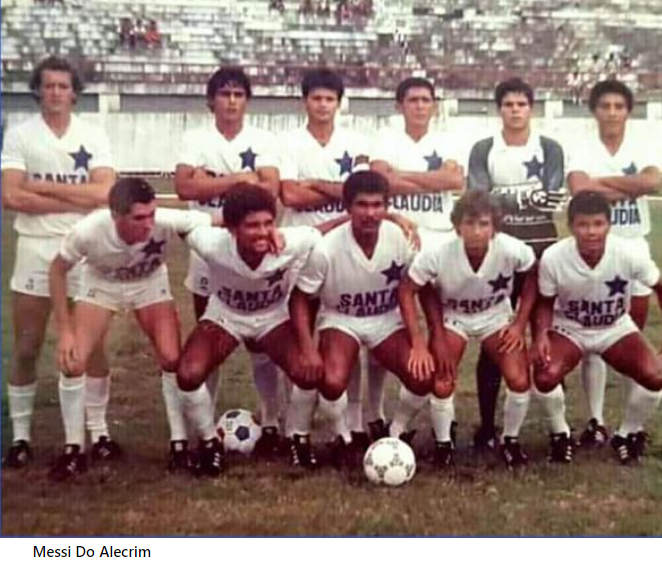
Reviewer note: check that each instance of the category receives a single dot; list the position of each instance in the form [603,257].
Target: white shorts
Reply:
[595,340]
[125,296]
[34,255]
[640,244]
[197,279]
[476,325]
[245,327]
[369,331]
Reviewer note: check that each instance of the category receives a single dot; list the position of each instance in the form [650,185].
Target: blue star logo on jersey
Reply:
[345,163]
[248,159]
[533,168]
[434,161]
[616,286]
[153,247]
[499,283]
[631,170]
[276,276]
[81,159]
[393,273]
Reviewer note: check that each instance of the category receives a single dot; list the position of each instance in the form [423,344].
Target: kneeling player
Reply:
[586,284]
[355,270]
[473,273]
[250,288]
[123,250]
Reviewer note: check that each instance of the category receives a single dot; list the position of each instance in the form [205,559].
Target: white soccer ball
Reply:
[238,430]
[389,461]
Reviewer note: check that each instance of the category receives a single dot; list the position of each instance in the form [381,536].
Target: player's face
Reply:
[590,232]
[56,92]
[230,103]
[611,113]
[476,232]
[254,232]
[138,224]
[367,212]
[321,105]
[515,112]
[417,107]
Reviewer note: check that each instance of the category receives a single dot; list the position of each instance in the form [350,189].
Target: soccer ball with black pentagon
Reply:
[389,461]
[238,430]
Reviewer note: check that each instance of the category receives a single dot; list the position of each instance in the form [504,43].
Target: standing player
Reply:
[586,284]
[214,159]
[123,261]
[418,163]
[525,170]
[623,168]
[55,168]
[250,288]
[475,304]
[317,159]
[355,270]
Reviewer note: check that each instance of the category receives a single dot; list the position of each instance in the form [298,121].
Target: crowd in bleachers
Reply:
[460,44]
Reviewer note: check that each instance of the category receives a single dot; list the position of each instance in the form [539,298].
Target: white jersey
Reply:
[593,297]
[95,241]
[629,217]
[464,291]
[350,284]
[206,148]
[240,290]
[305,158]
[32,147]
[429,210]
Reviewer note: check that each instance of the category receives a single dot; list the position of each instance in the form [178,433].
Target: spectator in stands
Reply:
[575,82]
[277,5]
[127,33]
[152,35]
[140,32]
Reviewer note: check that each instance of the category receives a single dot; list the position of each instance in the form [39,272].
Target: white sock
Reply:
[265,376]
[336,412]
[409,404]
[376,380]
[442,413]
[300,411]
[212,383]
[553,404]
[174,407]
[594,379]
[72,405]
[354,402]
[198,412]
[97,393]
[515,408]
[21,407]
[639,407]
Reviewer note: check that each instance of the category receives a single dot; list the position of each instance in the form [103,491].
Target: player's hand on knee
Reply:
[511,339]
[312,366]
[541,354]
[421,363]
[67,355]
[446,366]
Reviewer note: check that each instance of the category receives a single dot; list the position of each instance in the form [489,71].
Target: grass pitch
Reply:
[594,496]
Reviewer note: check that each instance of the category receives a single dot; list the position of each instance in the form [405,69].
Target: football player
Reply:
[475,303]
[317,159]
[524,169]
[586,283]
[214,158]
[122,250]
[615,162]
[355,271]
[55,169]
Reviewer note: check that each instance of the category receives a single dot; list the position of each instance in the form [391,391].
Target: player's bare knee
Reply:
[77,370]
[420,387]
[652,379]
[518,383]
[333,387]
[169,363]
[546,380]
[189,376]
[443,388]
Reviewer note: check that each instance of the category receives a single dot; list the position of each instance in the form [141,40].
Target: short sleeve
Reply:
[205,241]
[12,151]
[645,270]
[289,167]
[103,156]
[547,283]
[525,257]
[182,221]
[423,268]
[269,156]
[188,152]
[73,248]
[312,276]
[381,148]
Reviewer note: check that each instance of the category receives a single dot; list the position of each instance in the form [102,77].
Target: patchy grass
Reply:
[594,496]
